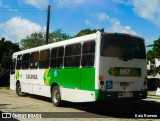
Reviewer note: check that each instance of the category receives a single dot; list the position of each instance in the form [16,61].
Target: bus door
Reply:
[12,75]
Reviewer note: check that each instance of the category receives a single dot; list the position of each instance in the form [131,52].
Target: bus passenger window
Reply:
[44,59]
[19,62]
[57,57]
[25,61]
[34,60]
[88,54]
[72,55]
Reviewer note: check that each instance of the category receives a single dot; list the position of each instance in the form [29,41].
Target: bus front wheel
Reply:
[18,90]
[56,96]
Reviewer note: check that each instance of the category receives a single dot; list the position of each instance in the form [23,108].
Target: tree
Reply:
[38,39]
[85,32]
[155,52]
[7,48]
[58,35]
[33,40]
[150,56]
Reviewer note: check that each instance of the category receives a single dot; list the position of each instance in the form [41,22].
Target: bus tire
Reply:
[56,96]
[18,90]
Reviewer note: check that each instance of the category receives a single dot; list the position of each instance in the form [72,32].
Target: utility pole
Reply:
[47,27]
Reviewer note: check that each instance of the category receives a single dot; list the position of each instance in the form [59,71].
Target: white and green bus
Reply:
[95,67]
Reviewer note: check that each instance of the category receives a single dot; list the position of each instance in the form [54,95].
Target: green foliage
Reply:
[38,39]
[150,56]
[155,52]
[7,48]
[33,40]
[85,32]
[58,35]
[156,48]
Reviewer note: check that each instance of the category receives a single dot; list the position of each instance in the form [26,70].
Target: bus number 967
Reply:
[124,71]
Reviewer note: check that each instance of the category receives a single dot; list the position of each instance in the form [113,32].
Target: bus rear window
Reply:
[122,47]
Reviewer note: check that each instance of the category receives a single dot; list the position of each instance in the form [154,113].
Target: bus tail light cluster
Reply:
[101,80]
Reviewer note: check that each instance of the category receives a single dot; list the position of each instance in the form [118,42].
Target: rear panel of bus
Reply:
[122,69]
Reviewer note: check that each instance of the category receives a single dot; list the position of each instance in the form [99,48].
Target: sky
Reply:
[19,18]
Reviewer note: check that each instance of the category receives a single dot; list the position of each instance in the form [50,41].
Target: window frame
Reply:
[19,61]
[42,62]
[88,55]
[58,56]
[26,61]
[34,61]
[71,56]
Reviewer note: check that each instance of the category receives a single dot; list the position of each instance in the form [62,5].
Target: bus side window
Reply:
[44,58]
[13,66]
[34,60]
[19,62]
[25,61]
[72,55]
[76,55]
[57,57]
[60,57]
[88,54]
[53,61]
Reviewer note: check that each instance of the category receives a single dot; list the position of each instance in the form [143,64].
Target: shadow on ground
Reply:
[117,109]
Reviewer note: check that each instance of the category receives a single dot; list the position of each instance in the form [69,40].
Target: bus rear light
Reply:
[101,78]
[101,82]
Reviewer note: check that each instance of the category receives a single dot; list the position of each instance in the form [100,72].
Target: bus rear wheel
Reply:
[56,96]
[18,90]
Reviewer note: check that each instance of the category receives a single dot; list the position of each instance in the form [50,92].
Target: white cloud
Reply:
[17,28]
[102,16]
[117,27]
[68,3]
[114,25]
[125,2]
[87,22]
[148,9]
[73,3]
[37,3]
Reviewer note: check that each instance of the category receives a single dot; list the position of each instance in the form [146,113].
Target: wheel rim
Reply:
[55,96]
[19,90]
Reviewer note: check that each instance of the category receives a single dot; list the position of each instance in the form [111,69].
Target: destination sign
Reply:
[124,71]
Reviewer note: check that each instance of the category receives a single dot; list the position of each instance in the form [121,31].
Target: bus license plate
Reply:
[121,95]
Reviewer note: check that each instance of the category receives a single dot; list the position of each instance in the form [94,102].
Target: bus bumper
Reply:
[118,95]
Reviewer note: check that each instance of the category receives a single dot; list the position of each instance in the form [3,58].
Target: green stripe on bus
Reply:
[74,78]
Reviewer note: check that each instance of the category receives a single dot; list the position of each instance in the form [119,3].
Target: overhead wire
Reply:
[22,9]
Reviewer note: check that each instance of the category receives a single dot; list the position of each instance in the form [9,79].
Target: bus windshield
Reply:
[122,47]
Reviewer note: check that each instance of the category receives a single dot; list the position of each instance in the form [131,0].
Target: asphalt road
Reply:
[32,105]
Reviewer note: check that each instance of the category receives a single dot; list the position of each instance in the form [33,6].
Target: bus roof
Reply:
[125,34]
[71,41]
[61,43]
